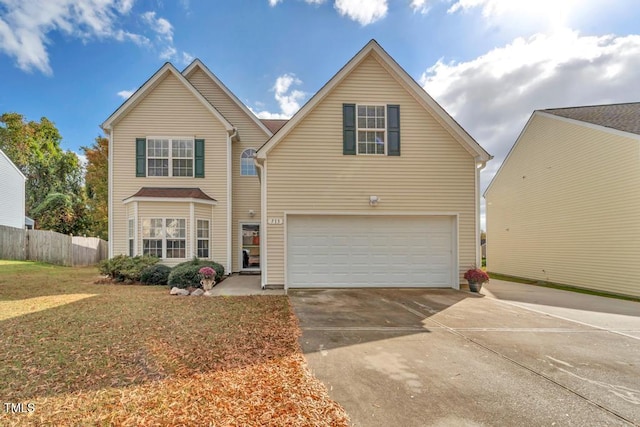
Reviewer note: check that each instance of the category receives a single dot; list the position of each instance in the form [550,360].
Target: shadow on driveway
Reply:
[416,357]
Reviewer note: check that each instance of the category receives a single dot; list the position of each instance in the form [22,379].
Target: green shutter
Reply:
[393,130]
[349,128]
[199,158]
[141,157]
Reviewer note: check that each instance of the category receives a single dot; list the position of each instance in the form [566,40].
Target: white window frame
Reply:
[170,141]
[131,224]
[155,238]
[243,159]
[369,129]
[164,238]
[202,239]
[167,238]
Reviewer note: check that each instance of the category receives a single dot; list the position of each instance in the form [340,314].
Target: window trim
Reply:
[358,129]
[170,159]
[208,239]
[165,238]
[255,171]
[131,235]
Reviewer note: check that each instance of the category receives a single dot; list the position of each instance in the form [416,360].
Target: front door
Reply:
[250,244]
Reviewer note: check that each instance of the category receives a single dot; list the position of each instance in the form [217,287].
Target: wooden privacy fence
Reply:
[51,247]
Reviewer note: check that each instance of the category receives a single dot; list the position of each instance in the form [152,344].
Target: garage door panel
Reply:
[380,251]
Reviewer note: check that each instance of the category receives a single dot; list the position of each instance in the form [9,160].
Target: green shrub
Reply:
[122,268]
[186,274]
[157,274]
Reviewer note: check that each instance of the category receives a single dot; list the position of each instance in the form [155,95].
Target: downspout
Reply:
[109,131]
[230,136]
[480,164]
[263,222]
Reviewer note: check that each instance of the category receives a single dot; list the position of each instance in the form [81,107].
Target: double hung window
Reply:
[371,129]
[164,238]
[169,157]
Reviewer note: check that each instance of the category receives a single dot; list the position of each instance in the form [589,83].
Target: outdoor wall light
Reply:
[373,200]
[252,213]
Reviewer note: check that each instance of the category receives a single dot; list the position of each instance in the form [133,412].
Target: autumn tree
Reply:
[96,186]
[35,148]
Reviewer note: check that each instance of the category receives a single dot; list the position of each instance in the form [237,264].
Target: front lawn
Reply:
[79,353]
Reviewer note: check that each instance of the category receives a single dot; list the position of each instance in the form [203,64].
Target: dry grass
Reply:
[88,354]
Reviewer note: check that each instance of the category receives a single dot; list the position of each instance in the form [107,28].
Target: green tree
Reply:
[35,148]
[56,212]
[96,186]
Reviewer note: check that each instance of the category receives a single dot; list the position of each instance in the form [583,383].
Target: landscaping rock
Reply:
[178,291]
[197,293]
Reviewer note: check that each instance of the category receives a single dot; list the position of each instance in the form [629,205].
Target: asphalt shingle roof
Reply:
[623,117]
[179,193]
[274,125]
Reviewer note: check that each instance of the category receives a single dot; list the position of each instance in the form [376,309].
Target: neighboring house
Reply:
[371,183]
[12,197]
[564,205]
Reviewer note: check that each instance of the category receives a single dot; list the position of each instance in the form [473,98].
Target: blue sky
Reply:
[489,63]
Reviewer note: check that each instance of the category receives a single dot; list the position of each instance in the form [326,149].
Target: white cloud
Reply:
[288,98]
[551,13]
[159,25]
[420,6]
[24,26]
[124,6]
[168,53]
[187,58]
[164,36]
[364,12]
[125,94]
[493,96]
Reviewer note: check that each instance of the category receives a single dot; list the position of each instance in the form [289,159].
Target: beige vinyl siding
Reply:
[564,208]
[307,171]
[245,189]
[169,110]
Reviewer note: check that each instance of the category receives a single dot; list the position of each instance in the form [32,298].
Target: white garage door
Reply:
[370,251]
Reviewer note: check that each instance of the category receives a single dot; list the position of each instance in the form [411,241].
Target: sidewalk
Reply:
[243,284]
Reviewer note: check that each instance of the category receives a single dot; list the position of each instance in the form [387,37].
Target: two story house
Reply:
[371,183]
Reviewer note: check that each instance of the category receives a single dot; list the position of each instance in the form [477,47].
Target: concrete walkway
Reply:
[610,314]
[243,284]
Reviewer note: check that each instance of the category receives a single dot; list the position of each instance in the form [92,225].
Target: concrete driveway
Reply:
[450,358]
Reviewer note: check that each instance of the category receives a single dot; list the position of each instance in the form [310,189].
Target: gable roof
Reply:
[2,154]
[614,117]
[622,117]
[196,63]
[404,78]
[149,85]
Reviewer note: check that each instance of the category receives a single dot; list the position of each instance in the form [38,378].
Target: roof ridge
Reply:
[589,106]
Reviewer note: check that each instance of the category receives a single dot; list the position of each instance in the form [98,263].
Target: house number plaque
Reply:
[275,221]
